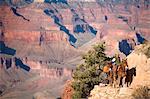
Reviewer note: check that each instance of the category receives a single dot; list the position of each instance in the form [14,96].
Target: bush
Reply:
[88,74]
[141,93]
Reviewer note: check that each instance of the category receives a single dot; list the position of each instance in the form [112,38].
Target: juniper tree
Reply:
[87,74]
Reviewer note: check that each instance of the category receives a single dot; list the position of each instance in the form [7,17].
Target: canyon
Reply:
[50,38]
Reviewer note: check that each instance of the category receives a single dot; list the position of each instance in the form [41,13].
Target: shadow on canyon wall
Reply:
[4,50]
[126,47]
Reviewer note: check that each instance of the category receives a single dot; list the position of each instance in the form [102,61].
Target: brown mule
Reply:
[111,71]
[122,73]
[115,75]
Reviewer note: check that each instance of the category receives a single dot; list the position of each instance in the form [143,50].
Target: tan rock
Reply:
[142,63]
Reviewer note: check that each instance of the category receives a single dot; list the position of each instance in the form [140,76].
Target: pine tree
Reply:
[88,74]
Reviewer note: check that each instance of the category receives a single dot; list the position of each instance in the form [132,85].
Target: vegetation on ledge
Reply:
[88,74]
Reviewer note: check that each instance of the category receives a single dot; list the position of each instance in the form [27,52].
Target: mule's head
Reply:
[110,65]
[125,64]
[133,70]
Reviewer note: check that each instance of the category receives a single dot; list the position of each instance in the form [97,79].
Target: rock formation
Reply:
[51,35]
[137,59]
[140,59]
[67,91]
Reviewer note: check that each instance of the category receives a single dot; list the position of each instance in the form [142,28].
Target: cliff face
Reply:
[139,59]
[46,71]
[20,29]
[26,23]
[78,27]
[42,78]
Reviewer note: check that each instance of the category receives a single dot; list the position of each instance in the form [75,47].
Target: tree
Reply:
[87,74]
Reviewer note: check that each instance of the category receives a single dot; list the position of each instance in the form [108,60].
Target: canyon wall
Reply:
[28,84]
[67,30]
[16,27]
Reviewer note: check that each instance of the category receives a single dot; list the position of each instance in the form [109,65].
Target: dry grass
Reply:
[141,93]
[144,48]
[148,53]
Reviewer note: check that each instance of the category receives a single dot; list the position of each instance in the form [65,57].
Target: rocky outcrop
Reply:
[67,91]
[110,93]
[137,59]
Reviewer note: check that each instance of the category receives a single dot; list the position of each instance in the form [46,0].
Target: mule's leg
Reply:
[126,81]
[123,82]
[111,78]
[127,84]
[114,81]
[119,81]
[114,84]
[130,83]
[110,81]
[120,84]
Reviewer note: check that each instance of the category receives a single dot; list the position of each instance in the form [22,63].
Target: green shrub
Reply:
[88,74]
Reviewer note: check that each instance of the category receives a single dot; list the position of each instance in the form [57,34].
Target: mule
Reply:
[122,73]
[115,75]
[129,77]
[111,70]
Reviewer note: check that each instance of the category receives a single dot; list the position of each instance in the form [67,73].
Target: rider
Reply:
[115,62]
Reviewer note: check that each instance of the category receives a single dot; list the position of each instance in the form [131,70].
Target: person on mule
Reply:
[114,69]
[111,70]
[116,62]
[122,73]
[108,70]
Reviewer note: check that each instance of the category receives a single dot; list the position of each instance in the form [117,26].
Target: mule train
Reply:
[119,75]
